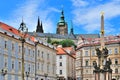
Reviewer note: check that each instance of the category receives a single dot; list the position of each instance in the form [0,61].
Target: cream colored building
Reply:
[65,60]
[86,54]
[11,57]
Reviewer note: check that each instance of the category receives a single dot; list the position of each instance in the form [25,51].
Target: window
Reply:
[93,53]
[19,65]
[86,63]
[110,51]
[5,44]
[29,67]
[33,53]
[116,70]
[12,46]
[33,67]
[60,57]
[38,53]
[47,68]
[116,61]
[19,49]
[86,71]
[48,56]
[38,66]
[29,52]
[60,63]
[42,54]
[116,51]
[42,66]
[86,53]
[12,64]
[60,71]
[5,62]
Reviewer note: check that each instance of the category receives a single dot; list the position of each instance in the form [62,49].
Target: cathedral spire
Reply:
[62,20]
[38,21]
[39,26]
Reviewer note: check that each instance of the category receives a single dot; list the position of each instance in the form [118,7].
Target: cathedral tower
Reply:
[39,27]
[62,27]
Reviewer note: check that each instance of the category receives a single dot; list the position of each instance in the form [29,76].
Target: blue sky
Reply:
[85,14]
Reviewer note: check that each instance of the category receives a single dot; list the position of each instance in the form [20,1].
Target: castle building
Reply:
[61,32]
[40,59]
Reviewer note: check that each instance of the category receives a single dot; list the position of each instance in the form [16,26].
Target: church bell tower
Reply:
[62,27]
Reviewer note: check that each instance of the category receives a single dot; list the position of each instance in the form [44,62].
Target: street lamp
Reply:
[3,72]
[27,74]
[23,32]
[45,76]
[36,43]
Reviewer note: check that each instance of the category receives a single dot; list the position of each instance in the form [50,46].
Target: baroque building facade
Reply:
[86,55]
[11,57]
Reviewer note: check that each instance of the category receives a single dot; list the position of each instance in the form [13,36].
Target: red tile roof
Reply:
[96,41]
[13,30]
[8,28]
[68,48]
[61,51]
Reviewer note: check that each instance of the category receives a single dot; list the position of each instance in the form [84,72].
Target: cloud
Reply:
[88,15]
[54,9]
[30,10]
[80,3]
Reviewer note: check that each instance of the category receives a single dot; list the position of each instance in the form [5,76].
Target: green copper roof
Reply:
[61,21]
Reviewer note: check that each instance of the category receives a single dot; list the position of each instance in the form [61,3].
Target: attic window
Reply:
[10,29]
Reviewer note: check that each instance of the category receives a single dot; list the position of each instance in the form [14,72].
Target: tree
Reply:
[49,40]
[54,42]
[67,43]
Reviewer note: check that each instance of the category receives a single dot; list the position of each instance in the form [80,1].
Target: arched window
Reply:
[116,61]
[116,51]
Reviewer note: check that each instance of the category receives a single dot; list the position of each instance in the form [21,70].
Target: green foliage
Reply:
[67,43]
[49,40]
[54,42]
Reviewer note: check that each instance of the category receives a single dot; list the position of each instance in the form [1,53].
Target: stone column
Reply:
[109,75]
[97,76]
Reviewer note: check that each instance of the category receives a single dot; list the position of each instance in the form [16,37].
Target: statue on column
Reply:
[107,65]
[95,65]
[98,52]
